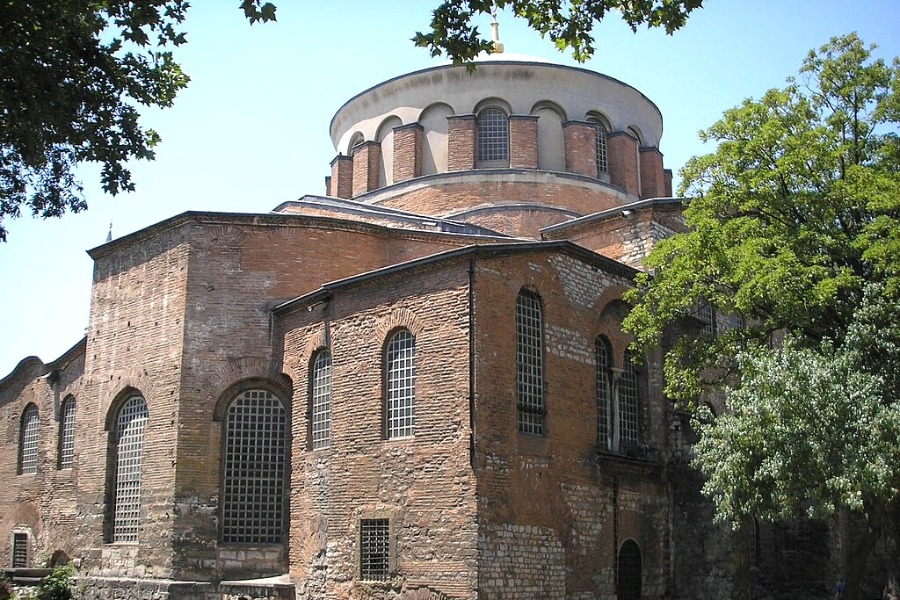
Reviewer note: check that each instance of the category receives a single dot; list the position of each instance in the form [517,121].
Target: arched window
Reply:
[67,433]
[628,572]
[355,141]
[601,127]
[604,392]
[493,136]
[28,440]
[320,400]
[128,463]
[707,314]
[530,363]
[253,477]
[400,385]
[629,402]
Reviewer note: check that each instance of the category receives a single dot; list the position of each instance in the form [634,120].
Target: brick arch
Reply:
[399,318]
[315,342]
[238,369]
[283,389]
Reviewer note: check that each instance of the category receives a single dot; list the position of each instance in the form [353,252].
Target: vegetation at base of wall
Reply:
[55,586]
[795,224]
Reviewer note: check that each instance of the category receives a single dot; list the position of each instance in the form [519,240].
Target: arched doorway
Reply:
[629,572]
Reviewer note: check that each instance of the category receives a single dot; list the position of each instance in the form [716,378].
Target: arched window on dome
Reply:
[355,141]
[492,140]
[602,128]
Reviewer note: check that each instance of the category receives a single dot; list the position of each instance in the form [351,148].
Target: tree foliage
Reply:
[73,74]
[568,24]
[795,225]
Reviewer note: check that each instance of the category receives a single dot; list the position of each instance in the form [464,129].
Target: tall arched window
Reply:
[128,464]
[601,127]
[28,440]
[604,388]
[530,363]
[493,136]
[400,385]
[629,402]
[320,400]
[253,477]
[628,572]
[67,433]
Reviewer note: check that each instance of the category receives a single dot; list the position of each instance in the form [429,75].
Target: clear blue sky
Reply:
[251,130]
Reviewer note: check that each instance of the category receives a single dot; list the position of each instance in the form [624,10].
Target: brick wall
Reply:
[623,161]
[423,483]
[653,182]
[581,147]
[366,162]
[523,142]
[341,181]
[460,142]
[407,152]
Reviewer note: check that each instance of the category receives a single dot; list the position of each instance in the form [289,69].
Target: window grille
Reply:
[129,463]
[629,402]
[629,572]
[67,434]
[28,444]
[401,384]
[320,400]
[706,314]
[493,135]
[602,155]
[603,393]
[253,486]
[374,549]
[530,364]
[20,551]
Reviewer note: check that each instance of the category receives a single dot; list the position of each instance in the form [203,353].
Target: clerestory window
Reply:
[28,440]
[67,433]
[530,363]
[320,400]
[605,413]
[492,143]
[400,385]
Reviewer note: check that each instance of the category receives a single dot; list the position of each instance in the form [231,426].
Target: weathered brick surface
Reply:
[667,182]
[408,140]
[523,142]
[581,147]
[424,483]
[624,170]
[653,182]
[460,142]
[366,161]
[341,180]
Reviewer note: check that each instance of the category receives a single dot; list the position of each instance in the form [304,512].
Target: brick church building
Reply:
[412,386]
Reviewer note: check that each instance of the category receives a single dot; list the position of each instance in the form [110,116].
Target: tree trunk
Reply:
[856,566]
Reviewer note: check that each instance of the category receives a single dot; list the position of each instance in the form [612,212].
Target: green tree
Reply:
[72,76]
[794,225]
[568,24]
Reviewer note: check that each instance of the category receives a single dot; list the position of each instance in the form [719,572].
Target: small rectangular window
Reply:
[20,551]
[374,549]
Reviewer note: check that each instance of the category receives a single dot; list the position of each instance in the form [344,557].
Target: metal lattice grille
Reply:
[602,159]
[529,364]
[20,551]
[493,135]
[67,434]
[129,462]
[629,402]
[603,396]
[401,384]
[629,572]
[320,400]
[28,445]
[706,314]
[253,486]
[374,549]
